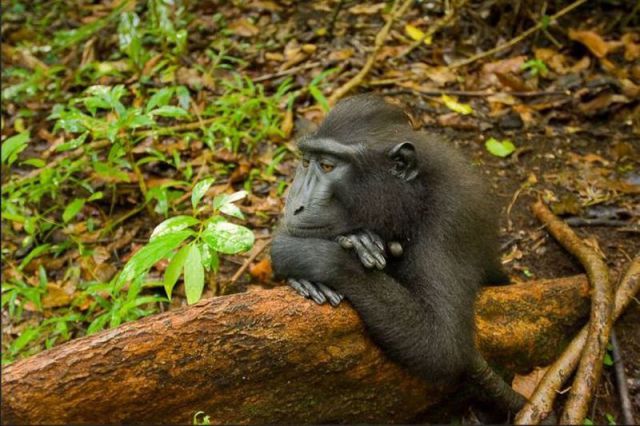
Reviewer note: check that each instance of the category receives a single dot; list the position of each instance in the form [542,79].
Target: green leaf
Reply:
[35,162]
[184,98]
[222,199]
[501,149]
[210,259]
[33,254]
[319,97]
[13,146]
[73,143]
[199,190]
[545,21]
[160,98]
[536,66]
[174,224]
[587,422]
[130,38]
[228,238]
[96,196]
[25,337]
[193,275]
[223,203]
[148,255]
[109,172]
[232,210]
[170,111]
[73,209]
[174,269]
[608,361]
[98,323]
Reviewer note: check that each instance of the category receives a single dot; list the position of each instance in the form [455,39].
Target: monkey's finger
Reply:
[334,297]
[316,295]
[374,251]
[299,288]
[345,242]
[363,253]
[377,240]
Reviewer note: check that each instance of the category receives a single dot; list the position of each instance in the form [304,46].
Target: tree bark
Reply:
[269,357]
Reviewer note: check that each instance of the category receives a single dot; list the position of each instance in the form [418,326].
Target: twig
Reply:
[601,221]
[519,38]
[23,58]
[334,17]
[470,93]
[142,184]
[289,71]
[186,126]
[621,381]
[514,198]
[357,79]
[260,246]
[122,218]
[541,402]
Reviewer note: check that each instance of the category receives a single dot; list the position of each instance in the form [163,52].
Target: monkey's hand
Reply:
[317,292]
[370,248]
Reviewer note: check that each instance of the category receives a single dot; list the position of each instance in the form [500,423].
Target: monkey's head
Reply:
[358,170]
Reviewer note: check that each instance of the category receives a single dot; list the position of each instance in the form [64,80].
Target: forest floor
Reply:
[222,90]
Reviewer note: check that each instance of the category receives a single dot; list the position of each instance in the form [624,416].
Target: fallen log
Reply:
[268,357]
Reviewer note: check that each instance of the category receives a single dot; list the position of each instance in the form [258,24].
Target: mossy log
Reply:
[270,356]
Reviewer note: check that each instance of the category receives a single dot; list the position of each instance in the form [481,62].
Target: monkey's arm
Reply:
[427,329]
[369,248]
[396,319]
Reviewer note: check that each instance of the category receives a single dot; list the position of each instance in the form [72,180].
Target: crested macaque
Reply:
[395,221]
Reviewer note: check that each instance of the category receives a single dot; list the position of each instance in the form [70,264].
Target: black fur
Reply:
[419,309]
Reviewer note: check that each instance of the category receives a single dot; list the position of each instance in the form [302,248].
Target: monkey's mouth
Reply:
[309,230]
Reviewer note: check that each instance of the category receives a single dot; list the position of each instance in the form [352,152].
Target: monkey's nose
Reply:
[298,210]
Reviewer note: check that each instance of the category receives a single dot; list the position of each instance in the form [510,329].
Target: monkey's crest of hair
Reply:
[362,118]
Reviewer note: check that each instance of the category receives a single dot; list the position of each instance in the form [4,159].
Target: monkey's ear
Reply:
[406,162]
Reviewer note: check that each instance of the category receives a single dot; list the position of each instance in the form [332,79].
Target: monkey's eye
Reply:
[305,162]
[327,167]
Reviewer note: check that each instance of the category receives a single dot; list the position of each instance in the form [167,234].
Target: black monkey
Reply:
[367,178]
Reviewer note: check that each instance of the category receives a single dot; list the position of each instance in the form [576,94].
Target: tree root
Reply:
[541,402]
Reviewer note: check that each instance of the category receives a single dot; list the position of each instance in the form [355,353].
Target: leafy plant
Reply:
[535,67]
[206,420]
[608,356]
[245,116]
[316,92]
[192,244]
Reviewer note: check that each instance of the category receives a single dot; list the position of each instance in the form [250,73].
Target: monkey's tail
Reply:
[493,387]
